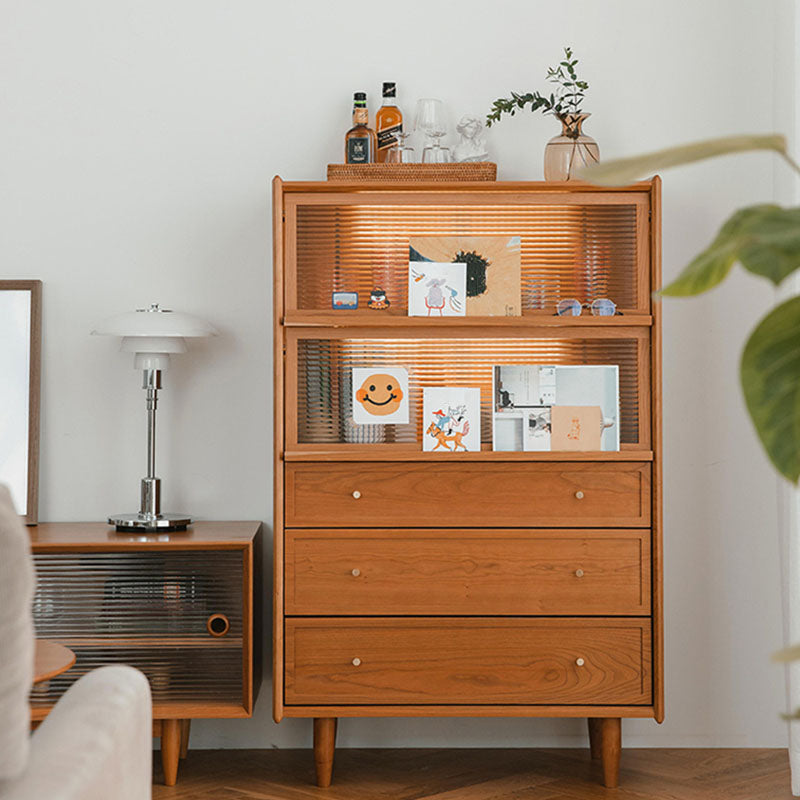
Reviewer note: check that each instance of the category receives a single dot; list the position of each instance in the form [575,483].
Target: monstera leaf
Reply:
[770,375]
[764,239]
[626,170]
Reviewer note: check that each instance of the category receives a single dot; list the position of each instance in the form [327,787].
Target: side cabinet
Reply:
[474,583]
[181,607]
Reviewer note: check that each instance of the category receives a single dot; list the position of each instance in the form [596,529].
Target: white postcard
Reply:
[451,419]
[380,395]
[436,289]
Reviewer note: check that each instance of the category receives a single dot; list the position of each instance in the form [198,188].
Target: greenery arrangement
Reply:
[565,100]
[765,240]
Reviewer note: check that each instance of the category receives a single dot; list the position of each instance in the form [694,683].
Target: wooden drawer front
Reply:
[472,661]
[504,572]
[369,495]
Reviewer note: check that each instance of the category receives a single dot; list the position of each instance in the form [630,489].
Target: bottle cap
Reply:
[360,98]
[389,89]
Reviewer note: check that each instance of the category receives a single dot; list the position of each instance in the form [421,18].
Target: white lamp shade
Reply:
[154,322]
[153,333]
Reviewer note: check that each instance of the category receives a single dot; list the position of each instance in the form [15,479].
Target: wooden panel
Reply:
[67,537]
[505,572]
[476,661]
[467,495]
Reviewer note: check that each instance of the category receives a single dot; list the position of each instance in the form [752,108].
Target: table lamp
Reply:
[152,334]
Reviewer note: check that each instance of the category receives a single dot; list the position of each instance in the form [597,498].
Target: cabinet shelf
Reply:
[399,319]
[413,452]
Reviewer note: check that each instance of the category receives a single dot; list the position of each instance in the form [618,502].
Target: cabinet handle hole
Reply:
[218,625]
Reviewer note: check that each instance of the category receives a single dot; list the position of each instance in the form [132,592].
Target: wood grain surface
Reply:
[472,660]
[505,572]
[481,774]
[477,495]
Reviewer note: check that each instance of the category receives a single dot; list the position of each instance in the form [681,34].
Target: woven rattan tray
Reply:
[467,171]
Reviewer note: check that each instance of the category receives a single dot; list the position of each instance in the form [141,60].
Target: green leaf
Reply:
[770,376]
[789,654]
[625,170]
[765,239]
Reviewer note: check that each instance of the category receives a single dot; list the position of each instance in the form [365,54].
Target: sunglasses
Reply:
[602,307]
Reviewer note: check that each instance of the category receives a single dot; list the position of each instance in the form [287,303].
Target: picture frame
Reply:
[20,365]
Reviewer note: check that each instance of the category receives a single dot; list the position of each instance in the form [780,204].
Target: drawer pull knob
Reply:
[580,662]
[579,495]
[356,662]
[356,494]
[578,573]
[355,572]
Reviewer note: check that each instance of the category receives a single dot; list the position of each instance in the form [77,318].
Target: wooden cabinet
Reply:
[178,606]
[532,585]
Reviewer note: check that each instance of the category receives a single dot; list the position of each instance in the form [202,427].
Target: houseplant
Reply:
[571,149]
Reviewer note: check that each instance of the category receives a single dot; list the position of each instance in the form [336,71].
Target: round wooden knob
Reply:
[355,572]
[579,495]
[218,625]
[356,494]
[578,573]
[580,662]
[356,662]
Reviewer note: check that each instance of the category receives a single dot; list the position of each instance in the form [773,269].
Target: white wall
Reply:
[137,141]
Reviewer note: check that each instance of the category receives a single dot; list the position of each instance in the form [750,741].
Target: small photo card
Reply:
[380,395]
[436,290]
[577,427]
[451,419]
[344,301]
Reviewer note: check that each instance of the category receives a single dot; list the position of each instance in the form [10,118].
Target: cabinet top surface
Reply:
[456,186]
[98,536]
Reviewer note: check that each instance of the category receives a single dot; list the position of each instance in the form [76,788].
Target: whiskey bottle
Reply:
[359,142]
[388,122]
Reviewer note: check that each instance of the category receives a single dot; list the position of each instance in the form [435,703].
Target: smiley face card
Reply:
[380,395]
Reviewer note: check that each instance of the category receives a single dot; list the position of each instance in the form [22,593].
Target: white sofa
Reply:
[96,743]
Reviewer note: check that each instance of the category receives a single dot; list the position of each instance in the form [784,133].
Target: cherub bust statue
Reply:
[472,146]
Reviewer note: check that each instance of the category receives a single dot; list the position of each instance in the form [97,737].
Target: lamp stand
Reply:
[149,516]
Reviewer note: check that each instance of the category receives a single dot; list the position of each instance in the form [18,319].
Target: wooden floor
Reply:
[479,775]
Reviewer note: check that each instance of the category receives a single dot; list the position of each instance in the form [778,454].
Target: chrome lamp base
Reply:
[145,522]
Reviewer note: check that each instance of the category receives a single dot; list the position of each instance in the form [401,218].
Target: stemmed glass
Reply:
[430,119]
[401,152]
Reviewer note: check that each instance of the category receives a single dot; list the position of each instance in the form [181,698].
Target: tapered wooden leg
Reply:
[594,736]
[611,748]
[186,725]
[170,749]
[324,746]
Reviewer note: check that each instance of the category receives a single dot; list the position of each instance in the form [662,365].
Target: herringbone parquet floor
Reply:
[666,774]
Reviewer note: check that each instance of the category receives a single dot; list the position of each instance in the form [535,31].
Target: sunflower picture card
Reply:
[492,265]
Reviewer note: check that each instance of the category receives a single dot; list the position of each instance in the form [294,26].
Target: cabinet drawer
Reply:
[504,572]
[369,495]
[471,661]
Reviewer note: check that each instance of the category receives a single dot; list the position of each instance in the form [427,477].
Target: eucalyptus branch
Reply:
[566,99]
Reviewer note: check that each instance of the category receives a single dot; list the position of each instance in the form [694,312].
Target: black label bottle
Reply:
[388,122]
[360,142]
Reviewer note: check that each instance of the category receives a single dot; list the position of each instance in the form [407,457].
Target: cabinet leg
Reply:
[324,746]
[170,749]
[611,748]
[186,725]
[594,736]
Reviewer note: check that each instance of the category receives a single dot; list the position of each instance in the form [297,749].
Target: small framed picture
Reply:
[451,419]
[344,301]
[380,395]
[436,290]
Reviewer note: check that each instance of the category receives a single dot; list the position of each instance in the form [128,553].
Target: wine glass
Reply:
[430,119]
[401,152]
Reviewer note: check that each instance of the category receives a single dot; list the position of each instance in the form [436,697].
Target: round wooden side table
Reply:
[50,659]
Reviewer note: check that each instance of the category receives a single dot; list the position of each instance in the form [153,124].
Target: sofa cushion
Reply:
[16,639]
